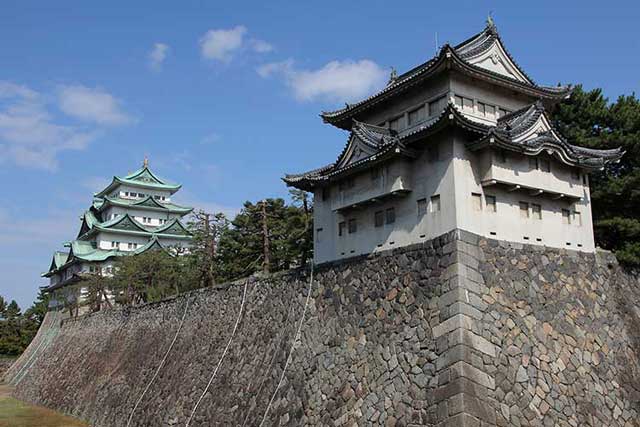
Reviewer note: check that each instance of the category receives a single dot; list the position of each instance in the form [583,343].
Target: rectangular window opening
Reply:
[378,219]
[524,210]
[491,203]
[566,216]
[353,226]
[536,210]
[435,203]
[476,199]
[341,228]
[391,215]
[422,207]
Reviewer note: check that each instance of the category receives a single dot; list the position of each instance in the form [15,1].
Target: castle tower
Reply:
[133,214]
[462,141]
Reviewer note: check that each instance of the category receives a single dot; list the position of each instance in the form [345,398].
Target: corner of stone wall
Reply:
[465,392]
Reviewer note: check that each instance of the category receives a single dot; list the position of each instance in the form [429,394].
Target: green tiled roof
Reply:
[147,203]
[126,224]
[143,178]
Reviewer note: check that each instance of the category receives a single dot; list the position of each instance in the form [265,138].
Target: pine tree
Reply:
[588,119]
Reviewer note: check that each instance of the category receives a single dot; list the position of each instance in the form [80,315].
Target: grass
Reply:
[14,413]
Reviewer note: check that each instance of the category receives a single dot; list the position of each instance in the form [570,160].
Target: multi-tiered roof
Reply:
[482,57]
[93,222]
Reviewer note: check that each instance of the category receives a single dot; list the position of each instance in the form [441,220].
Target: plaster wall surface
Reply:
[457,331]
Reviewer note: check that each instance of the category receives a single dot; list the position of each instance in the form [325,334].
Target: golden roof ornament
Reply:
[393,76]
[145,163]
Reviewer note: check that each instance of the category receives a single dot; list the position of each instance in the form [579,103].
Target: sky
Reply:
[224,97]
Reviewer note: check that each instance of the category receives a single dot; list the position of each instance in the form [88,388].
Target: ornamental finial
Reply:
[490,23]
[393,76]
[145,163]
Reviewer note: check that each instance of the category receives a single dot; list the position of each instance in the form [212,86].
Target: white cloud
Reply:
[29,135]
[339,81]
[91,105]
[261,46]
[158,55]
[221,44]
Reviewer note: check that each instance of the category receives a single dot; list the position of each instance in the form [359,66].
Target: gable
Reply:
[495,59]
[150,202]
[356,150]
[540,127]
[146,176]
[175,228]
[126,223]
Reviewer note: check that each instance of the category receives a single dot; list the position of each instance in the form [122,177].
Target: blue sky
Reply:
[224,96]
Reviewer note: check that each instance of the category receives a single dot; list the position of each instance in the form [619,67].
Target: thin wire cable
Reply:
[164,359]
[273,358]
[224,353]
[293,344]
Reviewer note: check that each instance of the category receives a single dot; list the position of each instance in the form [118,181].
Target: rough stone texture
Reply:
[458,331]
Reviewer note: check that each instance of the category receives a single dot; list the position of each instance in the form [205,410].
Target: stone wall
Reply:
[458,331]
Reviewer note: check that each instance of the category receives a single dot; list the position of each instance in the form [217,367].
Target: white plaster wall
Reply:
[138,214]
[507,223]
[428,178]
[120,192]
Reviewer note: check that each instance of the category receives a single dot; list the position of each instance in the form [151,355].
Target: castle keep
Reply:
[462,141]
[133,214]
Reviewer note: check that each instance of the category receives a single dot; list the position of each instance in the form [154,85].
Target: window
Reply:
[318,235]
[545,165]
[524,210]
[376,173]
[501,112]
[476,200]
[353,226]
[575,174]
[156,197]
[422,207]
[378,219]
[396,123]
[131,246]
[435,203]
[536,210]
[490,111]
[577,218]
[533,163]
[566,216]
[391,215]
[114,216]
[341,227]
[418,115]
[464,104]
[146,220]
[584,179]
[491,203]
[162,221]
[436,106]
[115,245]
[482,108]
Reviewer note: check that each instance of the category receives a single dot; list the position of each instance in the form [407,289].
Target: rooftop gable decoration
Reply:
[482,56]
[528,131]
[142,178]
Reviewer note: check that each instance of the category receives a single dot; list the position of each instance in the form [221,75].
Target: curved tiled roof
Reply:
[143,178]
[457,56]
[510,132]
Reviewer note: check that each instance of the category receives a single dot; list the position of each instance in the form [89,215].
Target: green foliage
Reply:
[17,329]
[588,119]
[242,249]
[149,276]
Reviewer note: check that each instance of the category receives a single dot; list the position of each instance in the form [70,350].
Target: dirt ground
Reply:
[14,413]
